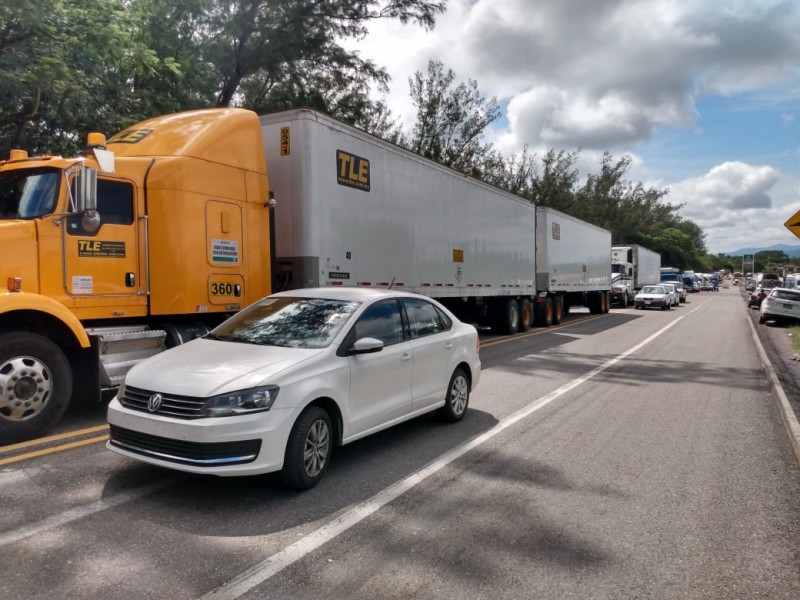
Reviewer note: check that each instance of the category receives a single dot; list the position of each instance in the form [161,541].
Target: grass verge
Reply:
[794,332]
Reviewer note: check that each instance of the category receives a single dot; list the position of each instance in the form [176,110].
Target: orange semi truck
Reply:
[112,256]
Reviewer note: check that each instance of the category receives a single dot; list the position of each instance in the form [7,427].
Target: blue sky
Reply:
[703,94]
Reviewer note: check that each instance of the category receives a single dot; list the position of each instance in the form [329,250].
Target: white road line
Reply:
[262,571]
[83,511]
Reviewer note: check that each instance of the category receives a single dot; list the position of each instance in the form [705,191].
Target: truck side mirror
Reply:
[86,190]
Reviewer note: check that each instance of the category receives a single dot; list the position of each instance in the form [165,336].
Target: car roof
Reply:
[358,294]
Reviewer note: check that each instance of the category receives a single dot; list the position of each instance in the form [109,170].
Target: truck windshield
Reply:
[28,193]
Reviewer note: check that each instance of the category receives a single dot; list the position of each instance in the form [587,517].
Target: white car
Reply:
[672,290]
[653,296]
[279,384]
[780,304]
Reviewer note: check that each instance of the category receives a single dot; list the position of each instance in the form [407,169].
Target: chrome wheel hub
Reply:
[25,386]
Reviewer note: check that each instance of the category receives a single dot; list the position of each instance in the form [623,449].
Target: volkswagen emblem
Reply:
[154,403]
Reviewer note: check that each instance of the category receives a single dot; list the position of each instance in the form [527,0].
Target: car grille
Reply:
[179,451]
[180,407]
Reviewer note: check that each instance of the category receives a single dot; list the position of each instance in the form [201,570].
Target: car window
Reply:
[423,317]
[381,321]
[786,295]
[288,321]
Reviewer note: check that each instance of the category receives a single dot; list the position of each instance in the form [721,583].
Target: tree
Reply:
[451,121]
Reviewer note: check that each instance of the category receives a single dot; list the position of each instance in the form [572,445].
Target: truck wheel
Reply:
[505,318]
[625,300]
[544,313]
[606,301]
[35,385]
[558,310]
[595,302]
[308,451]
[457,400]
[525,315]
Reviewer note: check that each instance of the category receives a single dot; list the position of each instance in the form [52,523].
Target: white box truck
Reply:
[573,265]
[633,267]
[356,210]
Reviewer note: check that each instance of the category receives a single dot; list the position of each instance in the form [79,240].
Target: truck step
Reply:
[121,348]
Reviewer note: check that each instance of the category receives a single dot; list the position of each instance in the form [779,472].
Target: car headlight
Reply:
[241,402]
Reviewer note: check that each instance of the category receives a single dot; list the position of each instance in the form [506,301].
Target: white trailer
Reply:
[633,267]
[355,210]
[573,265]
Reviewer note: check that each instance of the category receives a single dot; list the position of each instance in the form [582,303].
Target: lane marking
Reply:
[46,451]
[261,572]
[53,438]
[83,511]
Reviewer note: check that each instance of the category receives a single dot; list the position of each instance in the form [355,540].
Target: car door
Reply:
[434,344]
[380,382]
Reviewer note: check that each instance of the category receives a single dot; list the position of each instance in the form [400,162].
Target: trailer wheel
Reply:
[544,313]
[525,315]
[558,310]
[595,302]
[35,385]
[505,318]
[606,301]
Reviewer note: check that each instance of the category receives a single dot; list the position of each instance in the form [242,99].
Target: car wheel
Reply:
[35,385]
[763,318]
[457,400]
[308,451]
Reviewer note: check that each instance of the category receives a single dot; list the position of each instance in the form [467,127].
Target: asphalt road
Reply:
[630,455]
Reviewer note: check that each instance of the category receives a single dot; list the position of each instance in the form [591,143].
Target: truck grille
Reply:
[189,453]
[180,407]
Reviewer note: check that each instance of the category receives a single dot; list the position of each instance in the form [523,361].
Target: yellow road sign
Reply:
[793,224]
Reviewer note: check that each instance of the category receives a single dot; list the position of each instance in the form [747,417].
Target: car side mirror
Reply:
[366,345]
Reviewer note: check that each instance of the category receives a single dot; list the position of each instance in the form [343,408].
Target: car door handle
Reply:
[405,357]
[448,345]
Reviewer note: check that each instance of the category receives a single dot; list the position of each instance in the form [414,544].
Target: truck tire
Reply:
[35,385]
[606,302]
[558,310]
[505,317]
[525,315]
[544,313]
[595,302]
[625,300]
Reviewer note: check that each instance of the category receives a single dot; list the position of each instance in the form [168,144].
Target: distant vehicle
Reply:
[277,386]
[781,304]
[670,274]
[632,268]
[681,289]
[759,293]
[653,296]
[672,289]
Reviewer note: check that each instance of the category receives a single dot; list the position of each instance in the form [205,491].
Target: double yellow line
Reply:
[45,441]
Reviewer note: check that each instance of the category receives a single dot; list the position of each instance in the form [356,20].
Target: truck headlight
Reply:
[241,402]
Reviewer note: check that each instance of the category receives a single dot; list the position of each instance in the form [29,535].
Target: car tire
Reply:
[28,361]
[763,318]
[308,450]
[457,399]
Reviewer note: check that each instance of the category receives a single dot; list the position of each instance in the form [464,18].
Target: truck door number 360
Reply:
[224,289]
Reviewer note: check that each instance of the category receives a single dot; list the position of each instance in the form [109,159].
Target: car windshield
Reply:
[288,321]
[786,295]
[28,193]
[652,289]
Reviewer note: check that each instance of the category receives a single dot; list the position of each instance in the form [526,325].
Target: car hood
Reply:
[205,368]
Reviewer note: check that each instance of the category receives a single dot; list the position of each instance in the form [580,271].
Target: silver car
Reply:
[781,304]
[672,290]
[653,296]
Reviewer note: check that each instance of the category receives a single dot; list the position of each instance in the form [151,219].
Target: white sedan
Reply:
[278,385]
[653,296]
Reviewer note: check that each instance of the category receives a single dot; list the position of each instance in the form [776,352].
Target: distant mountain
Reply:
[787,248]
